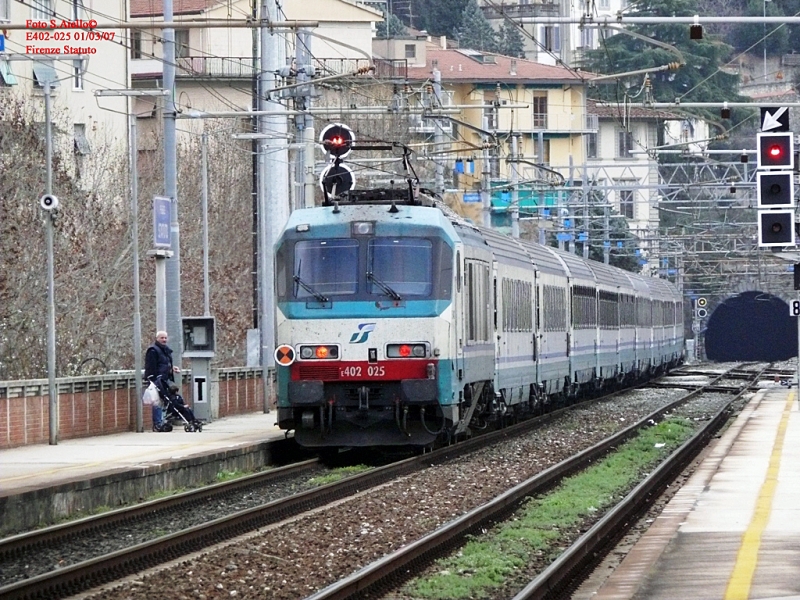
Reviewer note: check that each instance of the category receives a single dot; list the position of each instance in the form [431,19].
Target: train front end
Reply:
[363,319]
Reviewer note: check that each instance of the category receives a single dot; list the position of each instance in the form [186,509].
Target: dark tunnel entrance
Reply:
[751,326]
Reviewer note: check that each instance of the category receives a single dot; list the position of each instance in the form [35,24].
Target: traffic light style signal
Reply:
[775,189]
[776,150]
[337,139]
[337,179]
[776,228]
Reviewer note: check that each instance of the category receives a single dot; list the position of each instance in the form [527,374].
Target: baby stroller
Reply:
[174,406]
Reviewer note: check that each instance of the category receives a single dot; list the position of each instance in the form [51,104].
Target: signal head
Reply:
[776,150]
[337,139]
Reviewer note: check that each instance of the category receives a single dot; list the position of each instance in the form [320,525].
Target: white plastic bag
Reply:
[151,396]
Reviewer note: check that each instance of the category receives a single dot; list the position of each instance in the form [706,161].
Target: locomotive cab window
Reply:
[403,265]
[326,267]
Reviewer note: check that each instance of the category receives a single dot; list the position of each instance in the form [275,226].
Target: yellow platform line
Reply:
[747,557]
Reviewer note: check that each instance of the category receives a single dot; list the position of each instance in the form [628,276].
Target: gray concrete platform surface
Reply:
[42,483]
[732,532]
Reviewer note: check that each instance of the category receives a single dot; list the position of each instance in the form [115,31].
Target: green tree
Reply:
[391,26]
[750,37]
[475,31]
[510,40]
[437,17]
[700,79]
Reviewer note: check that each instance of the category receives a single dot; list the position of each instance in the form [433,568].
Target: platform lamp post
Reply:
[137,314]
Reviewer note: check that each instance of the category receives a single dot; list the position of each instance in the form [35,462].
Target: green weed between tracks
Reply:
[337,474]
[486,561]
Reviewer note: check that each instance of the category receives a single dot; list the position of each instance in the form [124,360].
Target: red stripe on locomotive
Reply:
[361,370]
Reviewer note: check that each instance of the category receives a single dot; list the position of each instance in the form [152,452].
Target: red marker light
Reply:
[775,151]
[322,352]
[405,350]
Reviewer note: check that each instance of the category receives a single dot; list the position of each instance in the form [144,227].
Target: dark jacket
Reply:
[158,361]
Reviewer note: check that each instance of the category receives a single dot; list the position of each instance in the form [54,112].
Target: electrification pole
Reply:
[273,185]
[173,263]
[438,136]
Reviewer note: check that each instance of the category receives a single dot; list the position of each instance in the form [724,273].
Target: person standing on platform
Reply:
[158,361]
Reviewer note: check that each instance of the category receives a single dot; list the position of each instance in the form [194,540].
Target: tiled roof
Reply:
[154,8]
[634,112]
[468,65]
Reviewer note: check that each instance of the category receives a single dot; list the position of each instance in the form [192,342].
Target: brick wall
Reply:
[106,404]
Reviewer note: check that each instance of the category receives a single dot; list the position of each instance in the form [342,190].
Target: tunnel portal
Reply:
[751,326]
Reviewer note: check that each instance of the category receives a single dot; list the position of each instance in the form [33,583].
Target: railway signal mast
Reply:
[775,179]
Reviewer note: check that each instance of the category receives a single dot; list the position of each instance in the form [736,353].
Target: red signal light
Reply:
[405,350]
[775,151]
[322,352]
[337,139]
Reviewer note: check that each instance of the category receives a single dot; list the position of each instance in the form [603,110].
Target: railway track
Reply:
[565,574]
[82,576]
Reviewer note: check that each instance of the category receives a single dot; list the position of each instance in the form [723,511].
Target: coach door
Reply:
[458,318]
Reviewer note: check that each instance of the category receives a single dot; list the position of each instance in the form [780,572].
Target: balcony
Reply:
[245,67]
[222,67]
[517,11]
[384,69]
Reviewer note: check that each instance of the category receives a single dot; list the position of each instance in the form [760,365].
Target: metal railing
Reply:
[245,67]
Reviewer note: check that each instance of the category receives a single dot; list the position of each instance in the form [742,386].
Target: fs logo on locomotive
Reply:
[360,336]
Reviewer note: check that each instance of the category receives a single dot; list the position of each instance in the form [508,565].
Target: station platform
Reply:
[44,482]
[730,533]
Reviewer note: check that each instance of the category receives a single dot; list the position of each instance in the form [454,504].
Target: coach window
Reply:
[458,271]
[403,264]
[327,267]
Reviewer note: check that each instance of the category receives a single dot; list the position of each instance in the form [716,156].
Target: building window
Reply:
[591,145]
[77,74]
[545,158]
[77,10]
[605,4]
[540,110]
[411,51]
[5,10]
[44,70]
[81,143]
[491,112]
[42,9]
[181,43]
[624,144]
[550,38]
[626,203]
[587,37]
[136,44]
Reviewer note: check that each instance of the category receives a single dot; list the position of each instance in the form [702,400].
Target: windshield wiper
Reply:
[386,289]
[309,289]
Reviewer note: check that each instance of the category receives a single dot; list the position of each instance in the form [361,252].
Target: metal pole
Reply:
[606,232]
[485,176]
[797,382]
[137,315]
[173,263]
[206,292]
[51,302]
[273,187]
[765,41]
[540,195]
[514,186]
[305,123]
[438,136]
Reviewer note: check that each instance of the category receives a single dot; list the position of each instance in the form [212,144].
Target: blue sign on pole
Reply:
[2,43]
[472,197]
[161,216]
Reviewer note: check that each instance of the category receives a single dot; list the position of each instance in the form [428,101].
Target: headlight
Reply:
[411,350]
[320,352]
